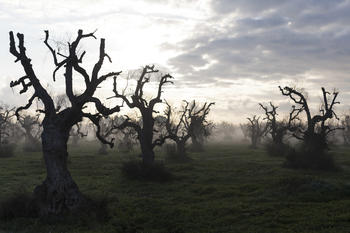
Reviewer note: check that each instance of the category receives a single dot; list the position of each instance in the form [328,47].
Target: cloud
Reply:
[234,52]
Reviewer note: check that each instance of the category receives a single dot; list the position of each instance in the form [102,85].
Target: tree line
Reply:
[60,118]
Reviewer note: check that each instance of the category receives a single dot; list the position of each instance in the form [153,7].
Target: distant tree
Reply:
[145,130]
[199,127]
[6,114]
[227,129]
[32,130]
[106,131]
[345,124]
[278,129]
[255,129]
[314,134]
[178,129]
[127,139]
[7,131]
[77,133]
[59,192]
[245,131]
[317,127]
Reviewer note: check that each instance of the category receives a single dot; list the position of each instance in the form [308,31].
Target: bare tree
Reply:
[199,127]
[145,131]
[278,129]
[345,124]
[5,120]
[317,128]
[32,131]
[224,132]
[77,133]
[127,139]
[256,130]
[106,131]
[178,131]
[59,192]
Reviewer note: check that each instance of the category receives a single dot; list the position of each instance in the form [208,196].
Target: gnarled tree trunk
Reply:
[58,192]
[146,141]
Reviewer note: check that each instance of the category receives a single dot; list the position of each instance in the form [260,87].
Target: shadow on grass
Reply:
[135,169]
[23,205]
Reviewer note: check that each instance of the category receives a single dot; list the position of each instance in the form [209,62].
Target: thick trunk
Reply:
[58,192]
[146,139]
[147,153]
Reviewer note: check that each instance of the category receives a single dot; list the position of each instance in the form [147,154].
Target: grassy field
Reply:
[225,189]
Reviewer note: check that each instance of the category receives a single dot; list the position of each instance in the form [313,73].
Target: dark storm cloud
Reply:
[269,40]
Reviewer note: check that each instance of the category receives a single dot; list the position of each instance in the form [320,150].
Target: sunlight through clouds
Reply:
[223,51]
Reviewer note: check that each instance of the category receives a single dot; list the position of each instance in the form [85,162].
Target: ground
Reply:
[224,189]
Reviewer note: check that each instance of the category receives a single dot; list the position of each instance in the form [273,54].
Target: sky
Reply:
[232,52]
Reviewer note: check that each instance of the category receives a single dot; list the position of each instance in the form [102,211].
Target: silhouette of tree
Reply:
[32,131]
[345,124]
[59,192]
[106,131]
[145,130]
[317,127]
[76,133]
[278,129]
[6,115]
[256,130]
[178,131]
[224,131]
[199,128]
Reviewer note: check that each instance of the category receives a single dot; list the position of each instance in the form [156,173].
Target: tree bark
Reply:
[147,152]
[58,192]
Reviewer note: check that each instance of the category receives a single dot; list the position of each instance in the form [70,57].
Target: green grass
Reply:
[224,189]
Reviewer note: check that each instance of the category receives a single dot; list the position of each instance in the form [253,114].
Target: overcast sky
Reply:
[232,52]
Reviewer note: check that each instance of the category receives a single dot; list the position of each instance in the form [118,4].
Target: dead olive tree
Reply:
[199,127]
[345,124]
[32,131]
[255,130]
[106,131]
[59,192]
[178,131]
[145,130]
[7,131]
[6,115]
[224,132]
[77,133]
[278,129]
[317,128]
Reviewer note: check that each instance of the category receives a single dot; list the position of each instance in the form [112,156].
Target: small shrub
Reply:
[7,150]
[276,150]
[135,169]
[24,205]
[19,205]
[305,158]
